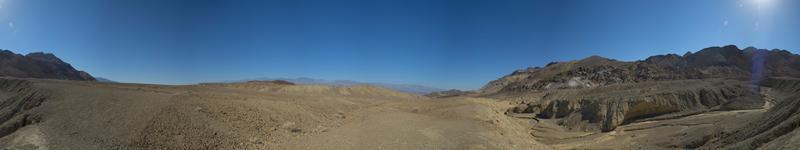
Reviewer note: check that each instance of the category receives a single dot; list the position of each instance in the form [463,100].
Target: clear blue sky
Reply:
[448,44]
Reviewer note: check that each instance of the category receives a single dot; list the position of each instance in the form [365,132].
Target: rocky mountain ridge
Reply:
[598,94]
[713,62]
[39,65]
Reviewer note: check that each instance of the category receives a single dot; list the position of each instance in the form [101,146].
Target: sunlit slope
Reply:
[89,115]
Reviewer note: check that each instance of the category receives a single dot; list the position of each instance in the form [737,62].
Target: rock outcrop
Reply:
[39,65]
[605,108]
[779,128]
[18,102]
[598,93]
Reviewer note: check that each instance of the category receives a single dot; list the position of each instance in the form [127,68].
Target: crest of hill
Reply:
[713,62]
[408,88]
[532,75]
[39,65]
[286,87]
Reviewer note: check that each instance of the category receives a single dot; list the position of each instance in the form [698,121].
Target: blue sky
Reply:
[441,43]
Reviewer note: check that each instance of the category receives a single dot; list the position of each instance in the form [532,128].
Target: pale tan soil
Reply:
[87,115]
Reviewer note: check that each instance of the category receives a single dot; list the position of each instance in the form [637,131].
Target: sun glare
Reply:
[763,4]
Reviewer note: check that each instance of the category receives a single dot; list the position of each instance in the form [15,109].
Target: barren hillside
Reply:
[38,65]
[42,114]
[719,97]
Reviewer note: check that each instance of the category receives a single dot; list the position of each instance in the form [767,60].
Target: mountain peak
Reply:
[597,57]
[713,62]
[731,47]
[39,65]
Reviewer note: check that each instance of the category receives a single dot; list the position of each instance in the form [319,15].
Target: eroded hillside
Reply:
[719,97]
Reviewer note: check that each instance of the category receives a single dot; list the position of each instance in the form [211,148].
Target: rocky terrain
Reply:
[60,114]
[38,65]
[716,98]
[778,128]
[597,97]
[713,62]
[605,108]
[772,126]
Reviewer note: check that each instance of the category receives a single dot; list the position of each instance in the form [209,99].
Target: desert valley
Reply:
[716,98]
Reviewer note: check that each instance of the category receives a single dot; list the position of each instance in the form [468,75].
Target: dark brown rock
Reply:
[605,108]
[714,62]
[39,65]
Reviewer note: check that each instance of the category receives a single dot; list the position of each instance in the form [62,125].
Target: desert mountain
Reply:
[39,65]
[408,88]
[728,62]
[718,97]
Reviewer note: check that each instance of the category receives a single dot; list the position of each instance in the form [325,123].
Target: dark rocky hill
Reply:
[714,62]
[39,65]
[598,94]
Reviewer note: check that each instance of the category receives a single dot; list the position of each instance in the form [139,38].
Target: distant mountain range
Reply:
[105,80]
[408,88]
[39,65]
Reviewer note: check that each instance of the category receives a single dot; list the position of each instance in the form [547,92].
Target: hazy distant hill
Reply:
[101,79]
[39,65]
[409,88]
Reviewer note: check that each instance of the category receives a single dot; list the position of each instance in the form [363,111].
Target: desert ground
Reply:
[255,115]
[59,114]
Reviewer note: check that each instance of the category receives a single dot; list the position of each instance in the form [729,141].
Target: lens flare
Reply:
[757,67]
